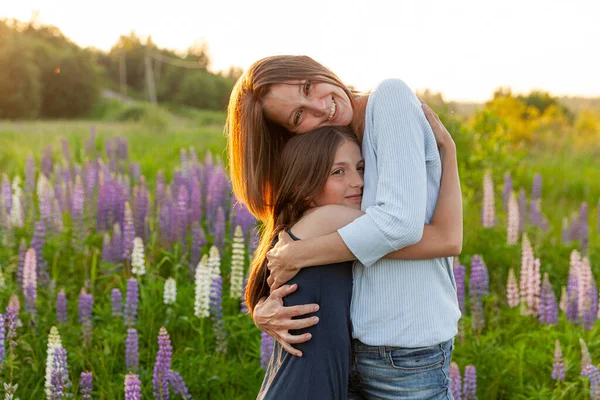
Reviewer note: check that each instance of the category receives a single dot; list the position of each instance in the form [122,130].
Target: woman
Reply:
[408,308]
[319,184]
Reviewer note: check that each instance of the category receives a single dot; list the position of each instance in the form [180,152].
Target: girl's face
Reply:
[302,106]
[344,185]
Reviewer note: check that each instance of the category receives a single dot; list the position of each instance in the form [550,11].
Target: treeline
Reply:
[43,74]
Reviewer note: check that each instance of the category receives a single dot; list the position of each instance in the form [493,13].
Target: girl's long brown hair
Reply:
[304,166]
[255,143]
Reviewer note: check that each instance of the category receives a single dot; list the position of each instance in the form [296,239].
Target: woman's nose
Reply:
[318,107]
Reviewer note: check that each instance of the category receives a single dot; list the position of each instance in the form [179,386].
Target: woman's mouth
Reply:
[333,110]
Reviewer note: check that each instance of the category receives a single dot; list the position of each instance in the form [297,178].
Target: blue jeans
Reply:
[383,372]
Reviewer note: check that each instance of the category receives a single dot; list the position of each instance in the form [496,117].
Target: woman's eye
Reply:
[338,172]
[297,117]
[307,87]
[361,169]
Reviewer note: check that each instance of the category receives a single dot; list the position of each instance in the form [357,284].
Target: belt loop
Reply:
[382,352]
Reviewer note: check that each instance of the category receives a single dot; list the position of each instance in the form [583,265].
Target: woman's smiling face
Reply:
[302,106]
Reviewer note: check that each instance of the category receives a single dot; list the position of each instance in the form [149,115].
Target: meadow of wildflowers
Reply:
[121,276]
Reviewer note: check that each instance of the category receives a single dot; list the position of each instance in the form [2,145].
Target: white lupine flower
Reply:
[512,226]
[488,216]
[2,280]
[138,265]
[237,264]
[170,291]
[214,262]
[54,343]
[203,281]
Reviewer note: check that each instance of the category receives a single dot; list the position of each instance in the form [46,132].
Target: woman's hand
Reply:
[272,317]
[442,136]
[281,261]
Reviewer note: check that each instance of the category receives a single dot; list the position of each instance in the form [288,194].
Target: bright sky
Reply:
[463,48]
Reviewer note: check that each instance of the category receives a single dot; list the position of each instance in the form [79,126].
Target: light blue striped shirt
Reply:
[405,303]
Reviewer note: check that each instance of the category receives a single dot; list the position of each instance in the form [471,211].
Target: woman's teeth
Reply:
[333,107]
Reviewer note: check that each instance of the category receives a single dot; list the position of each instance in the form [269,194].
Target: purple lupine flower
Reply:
[548,308]
[216,313]
[198,240]
[266,348]
[558,371]
[77,214]
[116,301]
[2,339]
[243,305]
[208,167]
[22,251]
[594,376]
[131,302]
[160,377]
[61,307]
[470,383]
[178,385]
[572,298]
[6,199]
[590,306]
[11,318]
[37,243]
[128,233]
[182,214]
[30,174]
[477,314]
[85,385]
[133,387]
[165,222]
[583,227]
[479,281]
[107,252]
[30,281]
[141,209]
[219,229]
[455,381]
[535,215]
[86,303]
[117,244]
[59,380]
[132,358]
[536,187]
[216,193]
[195,201]
[522,210]
[459,276]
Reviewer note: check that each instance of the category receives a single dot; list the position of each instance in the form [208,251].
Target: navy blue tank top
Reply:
[322,371]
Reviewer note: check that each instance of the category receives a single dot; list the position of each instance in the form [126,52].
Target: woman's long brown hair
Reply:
[303,169]
[255,143]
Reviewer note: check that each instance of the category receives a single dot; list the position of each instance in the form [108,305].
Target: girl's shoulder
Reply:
[391,88]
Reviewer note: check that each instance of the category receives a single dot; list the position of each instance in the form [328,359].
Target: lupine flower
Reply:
[590,306]
[237,264]
[558,371]
[17,213]
[59,380]
[459,276]
[54,342]
[86,303]
[594,376]
[214,261]
[526,268]
[2,339]
[22,252]
[195,201]
[30,281]
[170,291]
[160,377]
[479,282]
[535,212]
[202,280]
[548,309]
[586,359]
[77,214]
[85,385]
[138,265]
[107,252]
[470,383]
[11,321]
[534,289]
[178,385]
[455,381]
[217,189]
[512,226]
[37,243]
[573,298]
[128,232]
[117,244]
[216,311]
[133,387]
[563,299]
[131,302]
[182,214]
[512,290]
[61,307]
[6,200]
[131,351]
[116,301]
[488,215]
[219,229]
[266,348]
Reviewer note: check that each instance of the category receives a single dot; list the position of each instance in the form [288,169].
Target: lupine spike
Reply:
[30,281]
[558,371]
[162,366]
[133,387]
[131,351]
[170,291]
[85,385]
[237,264]
[512,226]
[138,264]
[116,301]
[455,381]
[586,358]
[178,385]
[54,342]
[86,304]
[512,290]
[216,311]
[202,279]
[61,307]
[470,383]
[548,309]
[128,232]
[131,302]
[488,216]
[460,271]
